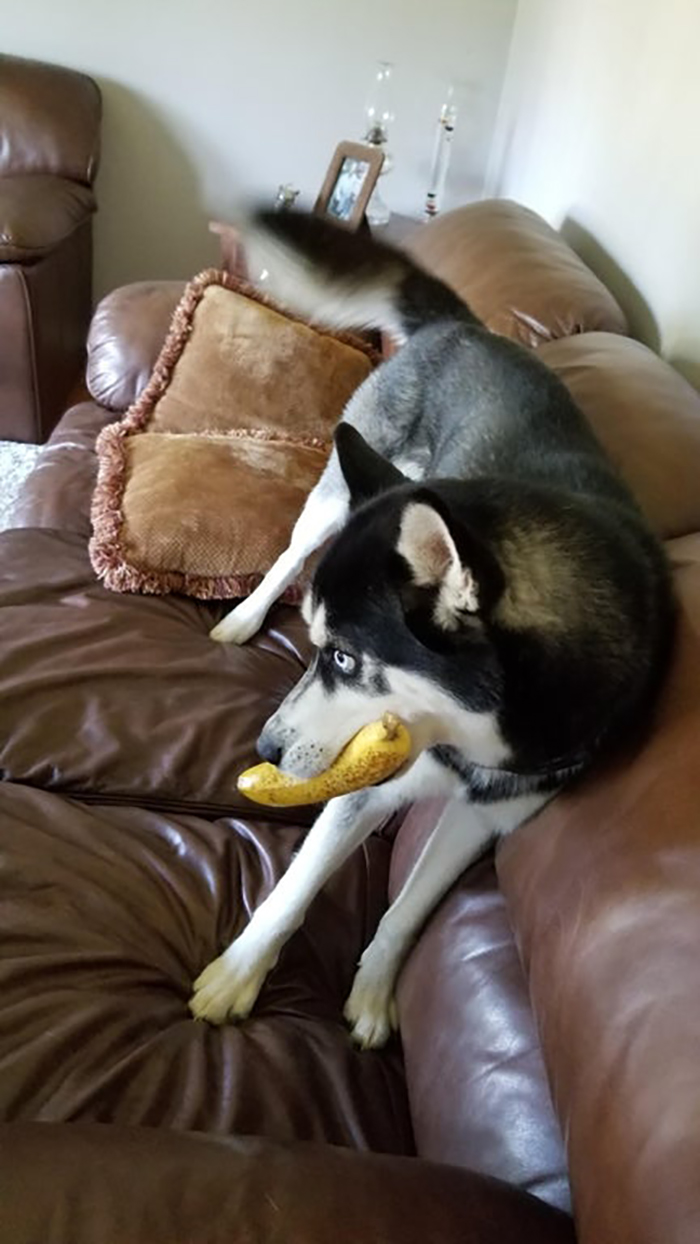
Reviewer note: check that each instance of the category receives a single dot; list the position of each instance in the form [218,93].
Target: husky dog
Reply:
[493,583]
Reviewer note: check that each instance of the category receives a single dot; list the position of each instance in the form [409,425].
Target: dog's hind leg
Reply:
[459,837]
[324,513]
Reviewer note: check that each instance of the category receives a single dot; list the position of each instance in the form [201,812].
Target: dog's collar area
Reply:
[481,779]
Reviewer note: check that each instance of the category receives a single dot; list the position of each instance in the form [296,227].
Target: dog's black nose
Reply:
[269,750]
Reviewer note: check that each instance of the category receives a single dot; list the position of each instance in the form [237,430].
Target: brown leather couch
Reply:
[49,150]
[550,1011]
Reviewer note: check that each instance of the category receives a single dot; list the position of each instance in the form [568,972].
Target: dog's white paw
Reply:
[237,627]
[371,1009]
[228,988]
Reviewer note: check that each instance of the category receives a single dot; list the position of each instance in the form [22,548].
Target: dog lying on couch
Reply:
[494,584]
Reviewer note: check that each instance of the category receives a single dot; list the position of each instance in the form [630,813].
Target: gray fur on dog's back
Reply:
[463,403]
[510,458]
[459,401]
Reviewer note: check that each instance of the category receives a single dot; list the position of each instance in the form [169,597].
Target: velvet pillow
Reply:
[199,485]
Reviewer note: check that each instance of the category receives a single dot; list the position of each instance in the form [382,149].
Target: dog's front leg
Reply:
[229,986]
[460,835]
[457,838]
[324,513]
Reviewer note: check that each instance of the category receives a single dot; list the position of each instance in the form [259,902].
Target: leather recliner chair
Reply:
[49,151]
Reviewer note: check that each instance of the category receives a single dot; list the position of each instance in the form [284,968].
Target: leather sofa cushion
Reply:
[474,1071]
[126,336]
[516,272]
[603,892]
[78,1184]
[49,120]
[125,700]
[58,492]
[37,213]
[647,417]
[44,311]
[107,916]
[126,696]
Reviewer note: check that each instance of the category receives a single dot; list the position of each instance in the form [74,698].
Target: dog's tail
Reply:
[343,279]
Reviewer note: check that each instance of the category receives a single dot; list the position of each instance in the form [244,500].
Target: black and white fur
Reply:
[493,583]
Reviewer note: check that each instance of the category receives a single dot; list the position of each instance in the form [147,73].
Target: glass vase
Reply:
[379,115]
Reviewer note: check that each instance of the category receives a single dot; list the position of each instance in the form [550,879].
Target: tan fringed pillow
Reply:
[199,485]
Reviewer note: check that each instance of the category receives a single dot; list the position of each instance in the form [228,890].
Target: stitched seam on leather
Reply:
[32,352]
[155,803]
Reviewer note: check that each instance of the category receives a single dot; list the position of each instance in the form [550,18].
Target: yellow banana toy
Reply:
[373,754]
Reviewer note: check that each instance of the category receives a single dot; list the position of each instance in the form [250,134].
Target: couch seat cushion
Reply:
[126,697]
[108,914]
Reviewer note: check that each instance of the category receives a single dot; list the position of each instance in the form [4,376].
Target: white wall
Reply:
[598,130]
[205,101]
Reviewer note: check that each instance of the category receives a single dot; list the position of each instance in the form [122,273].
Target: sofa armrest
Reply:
[57,494]
[126,335]
[49,120]
[604,891]
[77,1183]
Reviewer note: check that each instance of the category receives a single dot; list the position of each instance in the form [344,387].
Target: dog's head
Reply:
[397,615]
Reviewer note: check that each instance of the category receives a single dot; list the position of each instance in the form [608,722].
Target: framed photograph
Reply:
[351,178]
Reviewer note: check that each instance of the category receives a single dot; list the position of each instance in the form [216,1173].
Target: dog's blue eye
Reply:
[344,661]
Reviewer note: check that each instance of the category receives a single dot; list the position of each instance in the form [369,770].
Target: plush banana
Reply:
[373,754]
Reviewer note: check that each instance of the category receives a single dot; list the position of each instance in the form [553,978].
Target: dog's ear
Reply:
[457,569]
[366,473]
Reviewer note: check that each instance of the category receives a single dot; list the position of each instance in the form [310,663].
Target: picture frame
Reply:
[348,184]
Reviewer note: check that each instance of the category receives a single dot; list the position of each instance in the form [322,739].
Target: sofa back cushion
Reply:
[38,213]
[49,120]
[646,416]
[516,273]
